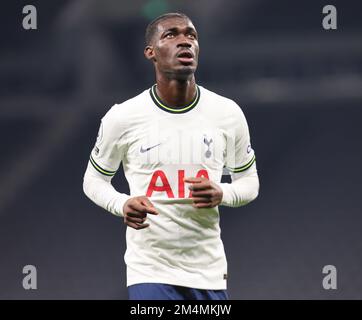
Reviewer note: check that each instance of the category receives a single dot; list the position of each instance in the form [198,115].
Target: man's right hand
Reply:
[135,211]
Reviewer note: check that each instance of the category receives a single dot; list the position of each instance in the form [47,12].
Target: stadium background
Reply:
[299,85]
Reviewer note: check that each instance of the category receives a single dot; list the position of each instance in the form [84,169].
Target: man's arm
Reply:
[99,189]
[103,164]
[243,189]
[240,161]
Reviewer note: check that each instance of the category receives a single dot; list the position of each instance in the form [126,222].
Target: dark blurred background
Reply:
[299,85]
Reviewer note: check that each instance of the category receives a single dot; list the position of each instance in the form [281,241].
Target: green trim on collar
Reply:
[156,99]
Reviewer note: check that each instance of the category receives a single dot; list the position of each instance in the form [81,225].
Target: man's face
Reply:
[175,48]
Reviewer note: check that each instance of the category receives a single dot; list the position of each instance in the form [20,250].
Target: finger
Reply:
[201,200]
[145,201]
[202,205]
[137,214]
[194,180]
[200,186]
[151,209]
[136,220]
[137,206]
[202,193]
[137,226]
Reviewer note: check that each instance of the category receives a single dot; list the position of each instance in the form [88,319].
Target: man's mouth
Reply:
[185,57]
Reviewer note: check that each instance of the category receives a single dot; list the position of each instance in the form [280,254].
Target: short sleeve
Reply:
[240,155]
[108,151]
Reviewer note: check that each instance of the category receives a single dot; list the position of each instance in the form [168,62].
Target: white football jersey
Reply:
[158,147]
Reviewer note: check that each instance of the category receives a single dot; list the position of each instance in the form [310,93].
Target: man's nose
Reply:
[184,42]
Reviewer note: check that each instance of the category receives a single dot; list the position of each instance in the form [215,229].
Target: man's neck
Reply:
[176,93]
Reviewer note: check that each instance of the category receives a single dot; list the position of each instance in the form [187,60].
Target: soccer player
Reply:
[174,141]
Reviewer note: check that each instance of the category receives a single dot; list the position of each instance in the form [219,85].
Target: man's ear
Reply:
[149,53]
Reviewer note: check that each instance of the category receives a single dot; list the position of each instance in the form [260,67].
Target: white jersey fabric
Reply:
[158,146]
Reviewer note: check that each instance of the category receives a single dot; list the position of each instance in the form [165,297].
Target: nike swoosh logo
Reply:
[142,150]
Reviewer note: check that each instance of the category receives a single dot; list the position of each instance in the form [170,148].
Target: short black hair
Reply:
[152,26]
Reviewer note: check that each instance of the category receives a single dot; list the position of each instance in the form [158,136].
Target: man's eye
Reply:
[192,36]
[169,35]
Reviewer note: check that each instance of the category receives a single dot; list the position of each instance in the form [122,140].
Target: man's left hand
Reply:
[205,193]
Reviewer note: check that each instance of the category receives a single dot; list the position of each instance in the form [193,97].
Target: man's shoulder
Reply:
[125,114]
[131,105]
[219,101]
